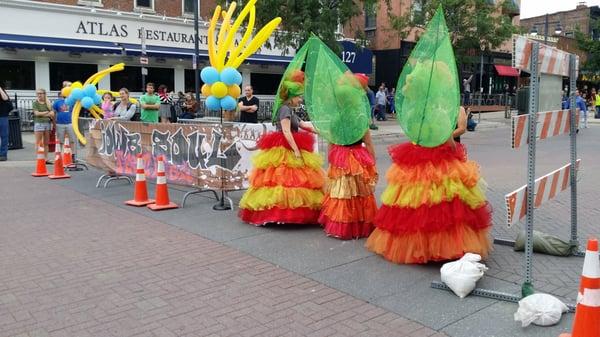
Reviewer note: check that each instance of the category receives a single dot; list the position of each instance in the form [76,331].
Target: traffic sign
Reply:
[143,60]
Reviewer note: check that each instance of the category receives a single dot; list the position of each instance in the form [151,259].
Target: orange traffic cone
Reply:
[587,314]
[67,154]
[40,168]
[162,191]
[59,169]
[140,191]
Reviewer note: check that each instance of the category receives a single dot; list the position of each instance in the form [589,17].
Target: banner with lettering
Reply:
[205,155]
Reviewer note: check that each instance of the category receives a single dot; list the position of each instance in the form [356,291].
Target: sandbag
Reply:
[544,243]
[462,275]
[540,309]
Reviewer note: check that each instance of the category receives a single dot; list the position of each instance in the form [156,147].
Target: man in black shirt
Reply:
[248,106]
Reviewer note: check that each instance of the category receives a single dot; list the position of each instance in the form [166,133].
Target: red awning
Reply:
[506,70]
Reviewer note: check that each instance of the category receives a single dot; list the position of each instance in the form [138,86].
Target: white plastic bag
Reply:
[540,309]
[462,275]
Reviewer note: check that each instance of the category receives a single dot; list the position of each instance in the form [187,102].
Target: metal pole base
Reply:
[495,295]
[222,206]
[77,166]
[198,192]
[504,242]
[107,178]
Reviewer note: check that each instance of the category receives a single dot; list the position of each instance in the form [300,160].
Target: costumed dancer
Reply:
[434,208]
[287,180]
[349,206]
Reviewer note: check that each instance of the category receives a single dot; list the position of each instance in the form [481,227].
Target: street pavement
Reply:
[77,262]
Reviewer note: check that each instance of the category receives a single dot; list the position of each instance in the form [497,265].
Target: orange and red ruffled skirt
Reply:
[349,206]
[283,188]
[434,207]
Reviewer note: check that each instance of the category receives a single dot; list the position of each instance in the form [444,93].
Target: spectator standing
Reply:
[150,104]
[580,102]
[467,89]
[42,119]
[166,102]
[64,124]
[125,110]
[5,108]
[380,101]
[248,106]
[107,105]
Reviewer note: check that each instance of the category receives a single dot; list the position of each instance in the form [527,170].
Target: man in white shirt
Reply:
[380,102]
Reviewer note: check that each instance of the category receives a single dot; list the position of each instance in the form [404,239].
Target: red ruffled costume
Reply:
[433,208]
[283,188]
[349,206]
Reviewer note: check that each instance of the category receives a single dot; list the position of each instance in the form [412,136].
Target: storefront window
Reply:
[131,78]
[189,80]
[60,72]
[17,75]
[188,6]
[265,84]
[148,4]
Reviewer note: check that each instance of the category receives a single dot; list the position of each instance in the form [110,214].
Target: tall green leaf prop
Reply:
[335,100]
[427,96]
[296,64]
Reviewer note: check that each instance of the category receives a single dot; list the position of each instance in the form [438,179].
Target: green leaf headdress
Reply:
[335,99]
[427,94]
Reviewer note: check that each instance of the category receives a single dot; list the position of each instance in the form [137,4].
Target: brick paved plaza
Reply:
[76,262]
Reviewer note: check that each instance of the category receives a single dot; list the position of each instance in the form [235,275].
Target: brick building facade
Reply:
[73,39]
[391,51]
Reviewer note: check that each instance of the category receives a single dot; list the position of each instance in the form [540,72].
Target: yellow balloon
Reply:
[258,40]
[234,91]
[65,92]
[219,89]
[77,85]
[212,54]
[134,101]
[205,90]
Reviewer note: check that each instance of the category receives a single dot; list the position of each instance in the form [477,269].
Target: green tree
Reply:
[301,18]
[472,24]
[592,47]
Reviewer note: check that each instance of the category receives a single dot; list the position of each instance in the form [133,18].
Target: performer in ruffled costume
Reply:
[349,206]
[434,207]
[286,183]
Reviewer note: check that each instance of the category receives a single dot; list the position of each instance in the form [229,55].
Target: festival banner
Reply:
[204,155]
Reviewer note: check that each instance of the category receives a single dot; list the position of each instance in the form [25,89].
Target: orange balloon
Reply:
[235,91]
[205,90]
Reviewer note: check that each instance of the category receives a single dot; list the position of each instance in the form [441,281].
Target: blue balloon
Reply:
[228,103]
[231,76]
[69,101]
[87,102]
[77,94]
[213,103]
[97,99]
[89,90]
[210,75]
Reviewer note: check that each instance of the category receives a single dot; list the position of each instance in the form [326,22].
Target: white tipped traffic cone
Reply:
[67,154]
[162,191]
[587,313]
[140,191]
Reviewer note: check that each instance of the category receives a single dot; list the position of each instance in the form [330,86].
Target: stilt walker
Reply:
[434,207]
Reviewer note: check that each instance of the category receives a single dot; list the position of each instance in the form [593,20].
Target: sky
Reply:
[531,8]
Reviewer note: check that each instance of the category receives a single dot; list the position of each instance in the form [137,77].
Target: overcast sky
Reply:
[531,8]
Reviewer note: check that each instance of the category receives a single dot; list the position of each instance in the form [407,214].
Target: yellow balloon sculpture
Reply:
[94,110]
[225,55]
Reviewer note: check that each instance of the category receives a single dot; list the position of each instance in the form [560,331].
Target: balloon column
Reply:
[86,95]
[222,80]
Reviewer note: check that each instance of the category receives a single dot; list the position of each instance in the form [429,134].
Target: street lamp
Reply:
[196,53]
[557,29]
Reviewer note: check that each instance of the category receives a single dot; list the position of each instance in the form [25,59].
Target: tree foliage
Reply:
[473,24]
[590,46]
[300,18]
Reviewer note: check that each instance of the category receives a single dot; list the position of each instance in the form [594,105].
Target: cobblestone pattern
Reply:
[75,266]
